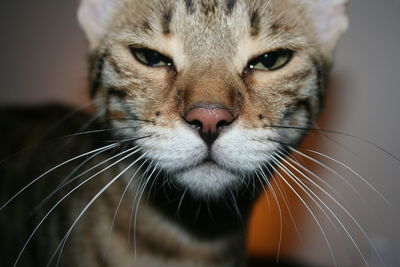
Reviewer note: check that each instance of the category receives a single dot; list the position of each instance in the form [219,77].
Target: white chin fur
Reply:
[207,180]
[180,151]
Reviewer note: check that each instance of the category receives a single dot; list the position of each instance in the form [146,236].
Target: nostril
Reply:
[208,121]
[195,124]
[223,123]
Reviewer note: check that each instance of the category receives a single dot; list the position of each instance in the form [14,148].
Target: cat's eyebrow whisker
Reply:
[65,238]
[306,206]
[56,167]
[340,205]
[61,200]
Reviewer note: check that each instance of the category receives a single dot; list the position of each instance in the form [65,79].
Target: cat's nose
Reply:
[209,121]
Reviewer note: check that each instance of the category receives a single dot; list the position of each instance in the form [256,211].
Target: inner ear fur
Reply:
[330,22]
[95,17]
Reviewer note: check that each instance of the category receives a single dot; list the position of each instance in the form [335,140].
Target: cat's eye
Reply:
[150,57]
[271,61]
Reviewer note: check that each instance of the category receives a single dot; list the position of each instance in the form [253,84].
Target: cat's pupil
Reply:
[269,60]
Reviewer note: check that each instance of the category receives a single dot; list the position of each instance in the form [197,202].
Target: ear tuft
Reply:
[330,20]
[95,17]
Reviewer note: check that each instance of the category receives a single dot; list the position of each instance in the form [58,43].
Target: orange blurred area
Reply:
[277,215]
[271,228]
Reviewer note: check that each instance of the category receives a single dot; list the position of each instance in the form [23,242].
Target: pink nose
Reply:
[209,120]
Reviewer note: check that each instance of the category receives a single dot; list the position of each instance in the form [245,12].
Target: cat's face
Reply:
[208,82]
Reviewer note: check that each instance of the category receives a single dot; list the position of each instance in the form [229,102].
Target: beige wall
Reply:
[42,56]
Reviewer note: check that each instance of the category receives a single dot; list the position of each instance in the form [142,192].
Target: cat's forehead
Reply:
[202,24]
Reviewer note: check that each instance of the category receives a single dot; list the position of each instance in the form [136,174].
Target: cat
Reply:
[197,102]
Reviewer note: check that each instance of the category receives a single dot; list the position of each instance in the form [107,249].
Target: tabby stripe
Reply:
[113,64]
[189,6]
[209,7]
[254,23]
[118,92]
[230,5]
[166,22]
[321,82]
[97,66]
[146,27]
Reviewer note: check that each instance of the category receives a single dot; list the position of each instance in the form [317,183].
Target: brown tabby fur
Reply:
[210,43]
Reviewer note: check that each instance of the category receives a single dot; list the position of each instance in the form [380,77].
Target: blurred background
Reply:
[43,59]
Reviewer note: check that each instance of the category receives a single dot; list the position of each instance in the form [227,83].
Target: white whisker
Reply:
[340,205]
[65,238]
[355,173]
[137,206]
[54,168]
[265,177]
[59,202]
[306,206]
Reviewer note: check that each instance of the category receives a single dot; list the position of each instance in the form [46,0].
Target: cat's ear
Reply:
[330,20]
[95,18]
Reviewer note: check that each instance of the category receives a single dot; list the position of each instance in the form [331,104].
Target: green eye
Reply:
[150,57]
[271,61]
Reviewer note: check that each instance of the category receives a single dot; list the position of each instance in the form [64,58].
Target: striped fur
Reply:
[180,208]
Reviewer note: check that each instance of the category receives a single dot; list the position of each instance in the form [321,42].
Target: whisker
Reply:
[397,158]
[306,206]
[131,119]
[181,202]
[69,115]
[265,177]
[54,168]
[59,202]
[124,192]
[354,172]
[329,186]
[264,189]
[67,180]
[62,244]
[340,205]
[137,206]
[49,130]
[235,205]
[137,190]
[342,178]
[286,202]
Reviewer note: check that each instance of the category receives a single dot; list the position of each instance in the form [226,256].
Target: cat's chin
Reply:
[207,179]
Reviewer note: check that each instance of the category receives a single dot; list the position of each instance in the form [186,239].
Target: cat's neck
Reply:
[154,237]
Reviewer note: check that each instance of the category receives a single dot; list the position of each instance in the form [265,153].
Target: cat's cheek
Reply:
[245,150]
[172,148]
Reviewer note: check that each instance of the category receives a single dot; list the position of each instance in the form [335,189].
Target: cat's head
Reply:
[209,83]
